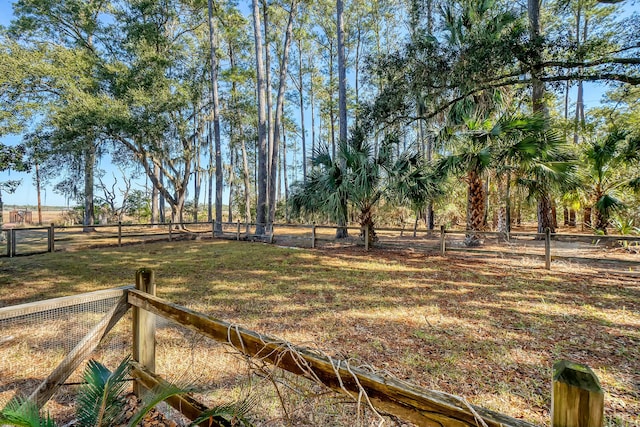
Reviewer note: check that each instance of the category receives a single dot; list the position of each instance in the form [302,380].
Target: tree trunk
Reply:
[356,66]
[89,163]
[284,171]
[537,90]
[586,217]
[342,108]
[216,117]
[247,184]
[508,203]
[579,118]
[197,179]
[502,209]
[278,193]
[572,217]
[210,172]
[366,222]
[155,203]
[475,208]
[332,120]
[232,183]
[429,146]
[180,206]
[303,136]
[161,198]
[567,87]
[485,214]
[601,220]
[545,219]
[313,115]
[262,125]
[430,213]
[269,104]
[279,112]
[545,214]
[342,74]
[37,167]
[245,160]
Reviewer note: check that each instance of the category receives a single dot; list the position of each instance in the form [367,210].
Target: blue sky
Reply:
[26,193]
[5,11]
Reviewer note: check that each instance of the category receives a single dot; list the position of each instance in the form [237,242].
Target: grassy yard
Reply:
[487,330]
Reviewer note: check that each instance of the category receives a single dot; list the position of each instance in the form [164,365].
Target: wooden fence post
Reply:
[366,238]
[577,399]
[238,231]
[51,237]
[144,328]
[8,243]
[313,236]
[13,242]
[547,248]
[119,233]
[170,230]
[443,243]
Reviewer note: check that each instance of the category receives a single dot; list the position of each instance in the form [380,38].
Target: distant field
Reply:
[49,213]
[488,330]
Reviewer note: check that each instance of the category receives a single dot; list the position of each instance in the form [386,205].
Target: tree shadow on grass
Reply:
[463,325]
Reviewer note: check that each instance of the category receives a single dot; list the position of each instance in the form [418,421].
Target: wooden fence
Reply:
[115,234]
[577,399]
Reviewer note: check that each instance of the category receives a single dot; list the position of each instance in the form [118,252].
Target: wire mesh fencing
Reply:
[35,338]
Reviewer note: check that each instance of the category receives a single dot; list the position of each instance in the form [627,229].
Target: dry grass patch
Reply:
[487,330]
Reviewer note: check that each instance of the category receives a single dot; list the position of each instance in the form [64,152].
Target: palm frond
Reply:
[322,156]
[608,204]
[235,412]
[24,413]
[452,164]
[159,394]
[631,152]
[100,399]
[635,183]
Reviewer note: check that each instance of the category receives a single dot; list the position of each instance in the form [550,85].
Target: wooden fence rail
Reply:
[410,403]
[389,395]
[85,347]
[576,395]
[170,231]
[16,311]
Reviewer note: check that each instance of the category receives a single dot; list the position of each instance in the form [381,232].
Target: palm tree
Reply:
[471,152]
[539,159]
[362,175]
[519,145]
[604,175]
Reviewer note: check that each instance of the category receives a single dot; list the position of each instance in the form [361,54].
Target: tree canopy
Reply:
[182,91]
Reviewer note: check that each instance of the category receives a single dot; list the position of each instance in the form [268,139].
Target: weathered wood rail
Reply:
[410,403]
[311,233]
[577,399]
[22,310]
